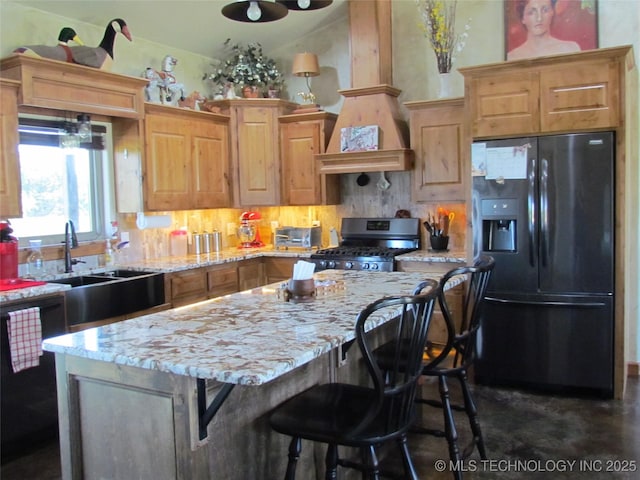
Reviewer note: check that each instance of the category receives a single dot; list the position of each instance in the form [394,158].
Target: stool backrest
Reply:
[396,384]
[478,277]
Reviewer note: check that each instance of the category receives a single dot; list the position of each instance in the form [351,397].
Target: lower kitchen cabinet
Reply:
[279,269]
[251,273]
[222,279]
[189,286]
[455,298]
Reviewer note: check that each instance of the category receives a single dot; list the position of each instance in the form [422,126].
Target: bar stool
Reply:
[461,357]
[341,414]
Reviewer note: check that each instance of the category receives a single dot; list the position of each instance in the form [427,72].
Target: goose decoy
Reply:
[61,51]
[102,55]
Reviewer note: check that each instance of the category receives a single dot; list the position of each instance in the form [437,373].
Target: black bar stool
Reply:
[462,353]
[340,414]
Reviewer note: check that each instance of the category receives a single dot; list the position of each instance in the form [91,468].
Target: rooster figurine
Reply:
[61,51]
[101,56]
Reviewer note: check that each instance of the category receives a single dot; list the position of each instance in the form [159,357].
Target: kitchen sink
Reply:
[111,294]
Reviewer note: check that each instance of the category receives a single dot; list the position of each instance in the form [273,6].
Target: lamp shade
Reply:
[254,11]
[305,65]
[305,4]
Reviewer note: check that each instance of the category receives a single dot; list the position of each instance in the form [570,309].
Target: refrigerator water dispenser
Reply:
[499,235]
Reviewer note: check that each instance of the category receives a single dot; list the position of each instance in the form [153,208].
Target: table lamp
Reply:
[306,65]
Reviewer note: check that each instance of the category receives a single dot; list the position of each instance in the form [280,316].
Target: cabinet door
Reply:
[504,104]
[279,269]
[168,174]
[437,140]
[188,287]
[300,141]
[222,280]
[10,185]
[584,96]
[258,156]
[210,164]
[251,274]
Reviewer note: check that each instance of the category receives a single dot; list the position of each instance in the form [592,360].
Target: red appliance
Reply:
[248,232]
[8,254]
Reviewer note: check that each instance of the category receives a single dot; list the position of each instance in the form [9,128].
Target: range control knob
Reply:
[331,264]
[323,264]
[365,266]
[374,266]
[348,265]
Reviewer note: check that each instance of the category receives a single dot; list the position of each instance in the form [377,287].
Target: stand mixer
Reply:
[248,232]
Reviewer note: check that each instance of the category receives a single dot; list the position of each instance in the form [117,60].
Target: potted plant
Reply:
[248,68]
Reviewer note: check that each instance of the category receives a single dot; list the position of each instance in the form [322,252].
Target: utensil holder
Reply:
[439,243]
[300,291]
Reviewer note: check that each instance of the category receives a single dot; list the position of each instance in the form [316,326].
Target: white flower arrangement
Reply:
[247,65]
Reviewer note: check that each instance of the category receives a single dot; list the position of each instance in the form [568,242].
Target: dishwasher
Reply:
[29,407]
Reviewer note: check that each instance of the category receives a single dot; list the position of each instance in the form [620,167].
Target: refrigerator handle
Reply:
[544,211]
[532,213]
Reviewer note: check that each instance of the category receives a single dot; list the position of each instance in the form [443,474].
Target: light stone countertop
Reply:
[176,264]
[247,338]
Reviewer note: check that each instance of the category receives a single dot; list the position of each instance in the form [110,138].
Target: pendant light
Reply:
[254,11]
[305,4]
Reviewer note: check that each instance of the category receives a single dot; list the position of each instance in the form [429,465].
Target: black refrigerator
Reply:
[543,207]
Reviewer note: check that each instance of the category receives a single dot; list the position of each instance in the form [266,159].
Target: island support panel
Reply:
[118,421]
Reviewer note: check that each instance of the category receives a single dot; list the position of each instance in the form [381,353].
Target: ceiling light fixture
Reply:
[305,4]
[254,11]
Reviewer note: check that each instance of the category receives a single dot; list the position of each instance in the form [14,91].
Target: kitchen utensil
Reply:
[383,183]
[363,179]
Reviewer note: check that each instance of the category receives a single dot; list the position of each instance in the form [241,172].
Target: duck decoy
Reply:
[61,51]
[102,55]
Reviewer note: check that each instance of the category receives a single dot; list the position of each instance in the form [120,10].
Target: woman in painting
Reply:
[537,17]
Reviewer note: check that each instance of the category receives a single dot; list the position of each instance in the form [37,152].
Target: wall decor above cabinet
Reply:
[66,86]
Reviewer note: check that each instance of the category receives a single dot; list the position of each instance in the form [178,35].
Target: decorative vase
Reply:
[250,91]
[273,93]
[445,85]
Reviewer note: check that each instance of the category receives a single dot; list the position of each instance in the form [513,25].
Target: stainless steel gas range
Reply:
[370,244]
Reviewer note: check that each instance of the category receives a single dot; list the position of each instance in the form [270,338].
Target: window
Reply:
[61,184]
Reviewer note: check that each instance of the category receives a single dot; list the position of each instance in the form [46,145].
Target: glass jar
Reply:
[35,260]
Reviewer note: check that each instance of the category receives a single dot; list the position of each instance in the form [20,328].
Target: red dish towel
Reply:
[25,338]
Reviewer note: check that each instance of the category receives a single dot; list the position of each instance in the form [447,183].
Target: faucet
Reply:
[69,243]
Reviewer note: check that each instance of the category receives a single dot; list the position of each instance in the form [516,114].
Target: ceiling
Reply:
[193,25]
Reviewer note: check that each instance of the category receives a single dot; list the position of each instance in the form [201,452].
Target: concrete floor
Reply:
[527,435]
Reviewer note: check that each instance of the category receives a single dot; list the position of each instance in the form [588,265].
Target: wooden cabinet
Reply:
[222,279]
[437,139]
[251,274]
[186,159]
[255,148]
[279,269]
[187,287]
[553,94]
[10,185]
[75,88]
[301,137]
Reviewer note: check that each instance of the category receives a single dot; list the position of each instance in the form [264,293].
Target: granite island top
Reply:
[246,338]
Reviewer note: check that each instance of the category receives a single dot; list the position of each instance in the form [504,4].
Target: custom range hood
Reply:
[372,100]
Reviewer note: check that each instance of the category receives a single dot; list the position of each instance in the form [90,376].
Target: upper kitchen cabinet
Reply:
[255,148]
[76,88]
[437,140]
[301,137]
[553,94]
[176,159]
[10,190]
[186,161]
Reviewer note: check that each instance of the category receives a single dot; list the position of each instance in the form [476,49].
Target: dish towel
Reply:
[25,338]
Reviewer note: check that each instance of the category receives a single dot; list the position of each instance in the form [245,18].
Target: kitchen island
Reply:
[132,395]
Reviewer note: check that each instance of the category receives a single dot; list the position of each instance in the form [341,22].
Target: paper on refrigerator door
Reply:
[507,162]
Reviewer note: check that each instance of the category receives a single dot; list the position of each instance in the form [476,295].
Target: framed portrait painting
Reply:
[535,28]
